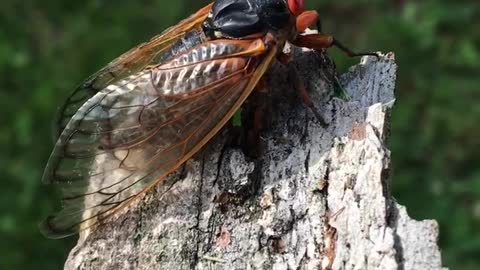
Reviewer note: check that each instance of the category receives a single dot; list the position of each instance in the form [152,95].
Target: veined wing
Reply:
[127,64]
[133,133]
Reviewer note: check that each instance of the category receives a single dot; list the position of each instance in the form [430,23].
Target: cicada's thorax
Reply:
[240,19]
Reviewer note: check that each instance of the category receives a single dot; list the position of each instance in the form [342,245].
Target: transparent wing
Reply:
[127,64]
[132,134]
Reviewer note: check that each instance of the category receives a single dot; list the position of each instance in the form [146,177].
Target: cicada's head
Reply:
[245,18]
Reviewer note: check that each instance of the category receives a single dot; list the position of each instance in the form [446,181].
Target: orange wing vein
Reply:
[132,133]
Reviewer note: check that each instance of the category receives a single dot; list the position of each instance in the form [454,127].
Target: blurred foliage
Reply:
[47,47]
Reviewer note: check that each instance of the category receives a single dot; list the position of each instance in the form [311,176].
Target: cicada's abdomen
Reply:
[199,67]
[190,40]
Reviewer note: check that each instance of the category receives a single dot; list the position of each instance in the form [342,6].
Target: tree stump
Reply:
[317,197]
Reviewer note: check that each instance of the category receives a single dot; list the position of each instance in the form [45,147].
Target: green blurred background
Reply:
[48,47]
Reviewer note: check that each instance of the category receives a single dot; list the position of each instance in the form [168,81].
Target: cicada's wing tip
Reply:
[50,230]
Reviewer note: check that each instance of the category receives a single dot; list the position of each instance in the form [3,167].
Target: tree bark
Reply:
[317,197]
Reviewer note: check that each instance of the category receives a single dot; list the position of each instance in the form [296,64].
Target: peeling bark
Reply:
[317,198]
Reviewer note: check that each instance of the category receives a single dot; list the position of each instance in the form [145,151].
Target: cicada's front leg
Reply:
[299,86]
[307,19]
[319,41]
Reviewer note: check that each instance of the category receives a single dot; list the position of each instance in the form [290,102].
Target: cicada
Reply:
[142,116]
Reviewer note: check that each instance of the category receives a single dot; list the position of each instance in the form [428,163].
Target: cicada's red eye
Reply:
[296,6]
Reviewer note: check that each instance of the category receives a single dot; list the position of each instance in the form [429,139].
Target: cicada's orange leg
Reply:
[319,41]
[307,19]
[294,77]
[322,41]
[297,82]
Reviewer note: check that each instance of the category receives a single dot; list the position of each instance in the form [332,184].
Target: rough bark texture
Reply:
[318,198]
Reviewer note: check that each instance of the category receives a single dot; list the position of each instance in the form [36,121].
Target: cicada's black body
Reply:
[243,18]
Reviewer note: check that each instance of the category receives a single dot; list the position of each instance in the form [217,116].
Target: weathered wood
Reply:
[318,198]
